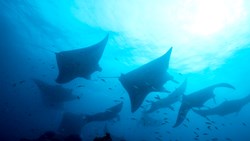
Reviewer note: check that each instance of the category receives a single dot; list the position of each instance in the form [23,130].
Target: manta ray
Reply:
[170,99]
[72,123]
[197,99]
[225,108]
[108,114]
[148,78]
[54,95]
[80,62]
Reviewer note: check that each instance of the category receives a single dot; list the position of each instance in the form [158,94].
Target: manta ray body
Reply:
[197,99]
[73,123]
[170,99]
[148,78]
[225,108]
[54,95]
[80,62]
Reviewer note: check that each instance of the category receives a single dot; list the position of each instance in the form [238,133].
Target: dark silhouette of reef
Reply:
[107,137]
[52,136]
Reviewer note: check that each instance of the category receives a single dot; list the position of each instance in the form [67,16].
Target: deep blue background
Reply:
[29,31]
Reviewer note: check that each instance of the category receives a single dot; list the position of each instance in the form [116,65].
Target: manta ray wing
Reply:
[108,114]
[145,79]
[225,108]
[54,95]
[170,99]
[184,109]
[80,62]
[197,99]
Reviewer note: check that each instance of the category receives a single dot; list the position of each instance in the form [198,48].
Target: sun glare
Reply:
[197,29]
[211,16]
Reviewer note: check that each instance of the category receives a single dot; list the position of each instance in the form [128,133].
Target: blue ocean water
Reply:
[210,41]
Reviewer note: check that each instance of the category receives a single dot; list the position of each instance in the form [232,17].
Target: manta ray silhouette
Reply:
[145,79]
[72,123]
[170,99]
[225,108]
[108,114]
[54,95]
[197,99]
[80,62]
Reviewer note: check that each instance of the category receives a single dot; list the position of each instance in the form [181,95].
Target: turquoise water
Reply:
[210,41]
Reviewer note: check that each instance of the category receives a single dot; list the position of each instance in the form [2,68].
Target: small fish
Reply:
[209,127]
[110,89]
[78,97]
[212,121]
[196,133]
[185,125]
[143,107]
[196,139]
[222,124]
[209,123]
[171,108]
[121,97]
[80,86]
[149,101]
[216,127]
[243,123]
[103,80]
[157,97]
[197,128]
[205,134]
[188,119]
[163,123]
